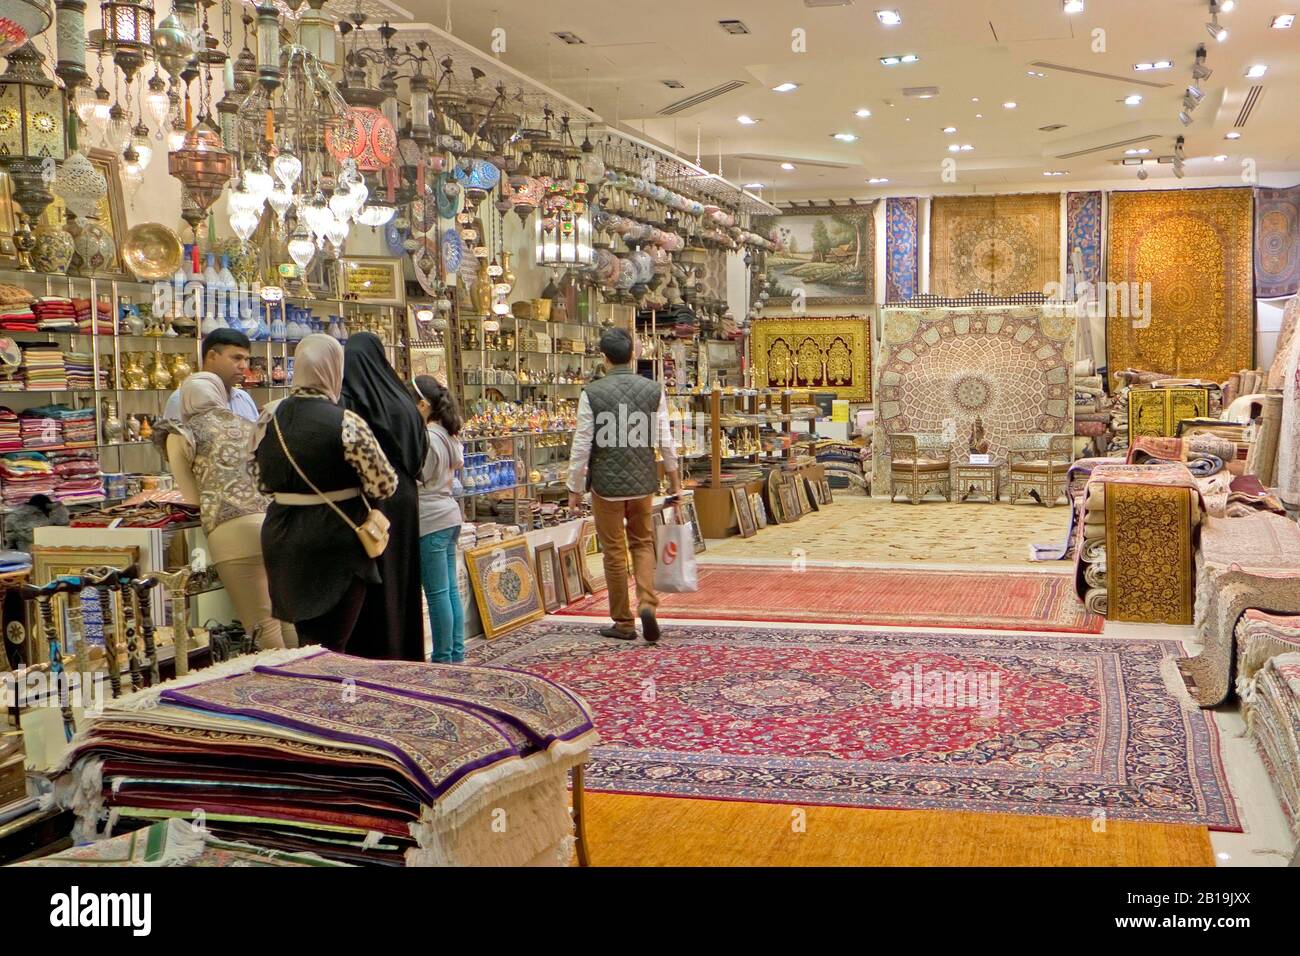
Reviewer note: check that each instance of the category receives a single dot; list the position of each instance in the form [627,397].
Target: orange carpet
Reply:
[626,830]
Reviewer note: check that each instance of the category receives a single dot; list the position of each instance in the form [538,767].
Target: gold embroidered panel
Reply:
[1149,553]
[1157,411]
[1193,246]
[999,245]
[830,354]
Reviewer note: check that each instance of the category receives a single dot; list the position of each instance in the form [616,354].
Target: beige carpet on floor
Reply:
[857,528]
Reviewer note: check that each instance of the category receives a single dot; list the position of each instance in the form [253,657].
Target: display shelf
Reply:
[514,487]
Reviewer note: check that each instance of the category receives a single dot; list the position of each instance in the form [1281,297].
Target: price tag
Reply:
[981,459]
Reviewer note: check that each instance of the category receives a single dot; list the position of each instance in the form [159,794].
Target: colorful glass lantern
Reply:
[367,137]
[32,126]
[128,32]
[20,21]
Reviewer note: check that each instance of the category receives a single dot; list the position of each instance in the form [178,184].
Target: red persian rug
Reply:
[1005,601]
[1056,726]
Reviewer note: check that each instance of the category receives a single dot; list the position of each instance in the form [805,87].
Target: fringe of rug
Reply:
[1175,684]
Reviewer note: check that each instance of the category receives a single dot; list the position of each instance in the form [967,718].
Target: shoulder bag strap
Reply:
[275,418]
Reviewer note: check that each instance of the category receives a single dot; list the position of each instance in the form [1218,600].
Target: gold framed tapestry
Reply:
[998,245]
[828,256]
[505,588]
[1193,248]
[1157,411]
[828,354]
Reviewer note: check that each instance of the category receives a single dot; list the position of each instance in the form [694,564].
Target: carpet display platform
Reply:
[882,596]
[1028,724]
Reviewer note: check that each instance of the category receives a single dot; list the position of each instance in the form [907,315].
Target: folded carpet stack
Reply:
[43,368]
[11,432]
[78,425]
[17,317]
[845,463]
[370,762]
[23,474]
[1273,721]
[100,320]
[55,313]
[79,477]
[40,431]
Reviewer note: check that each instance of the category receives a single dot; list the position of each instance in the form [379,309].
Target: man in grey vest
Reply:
[622,419]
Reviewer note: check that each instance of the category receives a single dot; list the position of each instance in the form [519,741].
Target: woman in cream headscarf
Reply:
[323,469]
[208,454]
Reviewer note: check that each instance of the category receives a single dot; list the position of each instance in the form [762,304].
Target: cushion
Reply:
[922,464]
[1040,467]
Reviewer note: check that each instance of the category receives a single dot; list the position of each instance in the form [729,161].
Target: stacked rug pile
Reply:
[1092,416]
[1273,721]
[23,474]
[847,464]
[359,761]
[1261,636]
[1249,381]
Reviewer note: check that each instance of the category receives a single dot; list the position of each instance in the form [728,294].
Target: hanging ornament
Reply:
[288,168]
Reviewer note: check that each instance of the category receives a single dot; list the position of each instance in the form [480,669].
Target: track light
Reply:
[1219,33]
[1178,170]
[1189,104]
[1199,70]
[1196,93]
[1184,119]
[1227,6]
[1142,174]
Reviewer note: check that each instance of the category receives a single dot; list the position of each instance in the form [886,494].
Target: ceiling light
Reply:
[963,148]
[1157,65]
[787,166]
[1133,99]
[1073,6]
[910,58]
[1227,6]
[1218,32]
[1184,118]
[1256,71]
[862,114]
[950,130]
[966,147]
[954,148]
[974,99]
[785,87]
[1137,152]
[890,18]
[1232,135]
[889,61]
[753,185]
[1009,105]
[1283,21]
[1035,73]
[877,180]
[844,137]
[1195,93]
[746,120]
[1221,158]
[1054,172]
[979,115]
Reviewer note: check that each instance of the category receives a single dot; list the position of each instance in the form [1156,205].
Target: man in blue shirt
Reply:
[225,353]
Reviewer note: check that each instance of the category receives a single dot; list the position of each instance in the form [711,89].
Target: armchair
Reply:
[1038,466]
[918,470]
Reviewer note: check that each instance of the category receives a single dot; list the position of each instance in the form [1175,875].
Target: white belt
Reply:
[288,498]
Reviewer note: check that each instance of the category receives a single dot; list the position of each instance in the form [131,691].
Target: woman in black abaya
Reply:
[391,626]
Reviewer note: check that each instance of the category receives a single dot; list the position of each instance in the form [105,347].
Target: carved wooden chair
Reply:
[1038,466]
[918,467]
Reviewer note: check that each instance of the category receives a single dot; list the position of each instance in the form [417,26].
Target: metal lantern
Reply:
[20,21]
[173,44]
[128,32]
[33,137]
[268,46]
[204,168]
[70,35]
[316,35]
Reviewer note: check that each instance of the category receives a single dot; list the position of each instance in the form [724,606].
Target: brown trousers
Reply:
[615,539]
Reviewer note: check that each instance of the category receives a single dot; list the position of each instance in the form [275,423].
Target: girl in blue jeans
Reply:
[440,519]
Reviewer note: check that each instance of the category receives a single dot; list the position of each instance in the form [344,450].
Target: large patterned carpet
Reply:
[1067,727]
[881,596]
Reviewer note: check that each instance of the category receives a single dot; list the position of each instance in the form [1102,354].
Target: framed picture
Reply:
[801,491]
[505,588]
[571,572]
[587,537]
[686,512]
[49,563]
[829,253]
[376,280]
[825,486]
[810,496]
[760,512]
[593,562]
[789,502]
[744,515]
[547,565]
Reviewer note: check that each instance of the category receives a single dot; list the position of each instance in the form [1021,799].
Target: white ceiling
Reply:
[967,48]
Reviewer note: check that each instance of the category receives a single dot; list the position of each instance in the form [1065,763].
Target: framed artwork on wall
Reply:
[829,254]
[505,588]
[547,565]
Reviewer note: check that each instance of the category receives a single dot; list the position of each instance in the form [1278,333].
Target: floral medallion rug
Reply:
[1049,725]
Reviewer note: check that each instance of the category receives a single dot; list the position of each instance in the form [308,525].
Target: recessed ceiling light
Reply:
[877,180]
[950,130]
[890,61]
[1009,105]
[787,166]
[1256,71]
[1221,158]
[1157,65]
[963,148]
[890,18]
[1073,6]
[1036,74]
[1227,6]
[903,58]
[910,58]
[1054,172]
[1283,21]
[862,114]
[1133,99]
[974,99]
[907,119]
[1137,152]
[746,120]
[785,87]
[844,137]
[1232,135]
[753,185]
[979,115]
[966,147]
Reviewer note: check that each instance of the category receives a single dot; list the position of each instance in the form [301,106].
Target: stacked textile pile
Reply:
[80,481]
[1249,381]
[1247,494]
[17,317]
[76,424]
[43,369]
[55,313]
[847,464]
[1261,636]
[372,762]
[1092,416]
[1273,720]
[23,474]
[41,429]
[80,367]
[1205,457]
[11,433]
[101,322]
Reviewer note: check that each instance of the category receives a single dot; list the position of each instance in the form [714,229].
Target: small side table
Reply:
[972,479]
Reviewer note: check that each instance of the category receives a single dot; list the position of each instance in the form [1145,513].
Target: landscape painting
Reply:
[828,252]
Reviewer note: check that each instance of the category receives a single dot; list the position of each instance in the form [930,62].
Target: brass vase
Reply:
[159,376]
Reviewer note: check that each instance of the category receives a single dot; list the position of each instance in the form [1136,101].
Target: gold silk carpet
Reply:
[998,245]
[627,830]
[874,531]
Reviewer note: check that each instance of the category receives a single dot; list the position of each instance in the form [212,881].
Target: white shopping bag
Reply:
[675,558]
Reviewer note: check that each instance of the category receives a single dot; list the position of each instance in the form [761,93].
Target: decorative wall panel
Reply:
[830,355]
[999,245]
